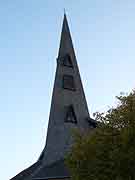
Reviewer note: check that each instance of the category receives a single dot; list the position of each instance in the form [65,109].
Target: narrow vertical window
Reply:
[67,61]
[70,115]
[68,82]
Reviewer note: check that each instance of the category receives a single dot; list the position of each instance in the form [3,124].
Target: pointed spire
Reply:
[68,110]
[68,107]
[64,11]
[66,41]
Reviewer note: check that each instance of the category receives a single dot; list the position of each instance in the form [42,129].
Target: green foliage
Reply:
[107,152]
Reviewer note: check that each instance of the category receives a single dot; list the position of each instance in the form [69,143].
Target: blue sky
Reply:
[103,34]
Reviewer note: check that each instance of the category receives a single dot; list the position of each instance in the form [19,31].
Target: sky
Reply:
[103,34]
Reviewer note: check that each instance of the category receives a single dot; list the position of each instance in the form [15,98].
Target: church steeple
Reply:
[68,108]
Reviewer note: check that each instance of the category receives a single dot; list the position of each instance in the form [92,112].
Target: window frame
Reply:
[66,78]
[67,56]
[70,109]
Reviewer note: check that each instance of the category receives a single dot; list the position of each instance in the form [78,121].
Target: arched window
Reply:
[67,61]
[70,115]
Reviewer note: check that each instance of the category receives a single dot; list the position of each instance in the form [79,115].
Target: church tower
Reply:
[68,111]
[68,108]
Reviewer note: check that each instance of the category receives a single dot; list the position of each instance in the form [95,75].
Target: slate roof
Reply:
[56,170]
[27,172]
[52,171]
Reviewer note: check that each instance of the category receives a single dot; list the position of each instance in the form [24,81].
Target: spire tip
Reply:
[64,11]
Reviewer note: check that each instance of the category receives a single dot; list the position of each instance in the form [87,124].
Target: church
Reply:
[68,110]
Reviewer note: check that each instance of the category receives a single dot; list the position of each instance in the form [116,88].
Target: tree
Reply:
[107,152]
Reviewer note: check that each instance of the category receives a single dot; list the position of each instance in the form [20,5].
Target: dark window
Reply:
[67,61]
[70,115]
[68,82]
